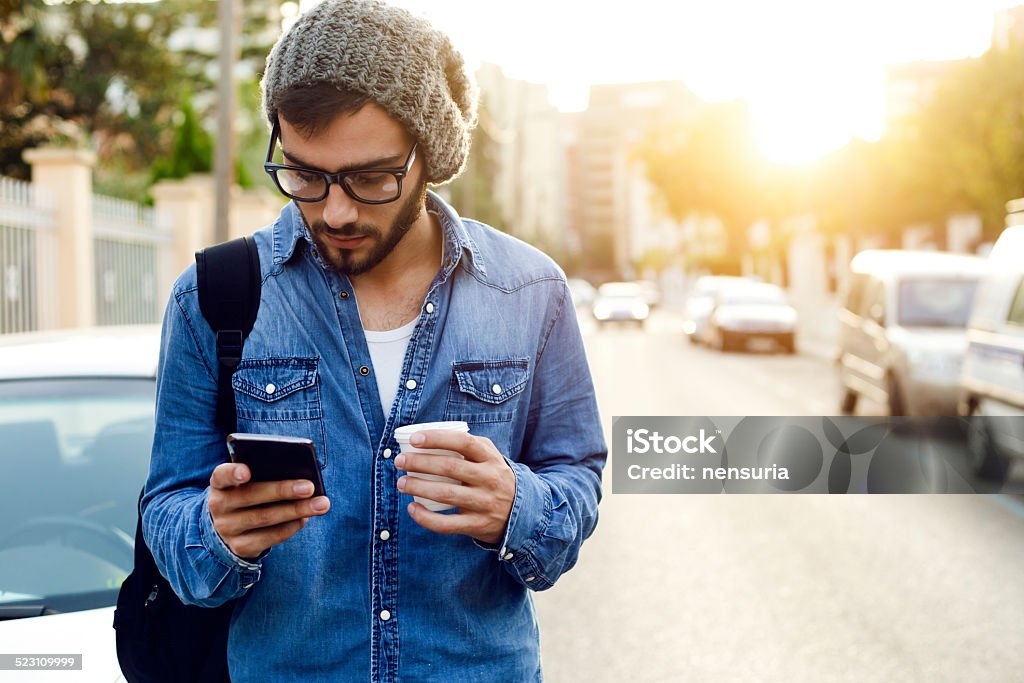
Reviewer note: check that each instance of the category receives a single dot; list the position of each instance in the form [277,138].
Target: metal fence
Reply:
[129,241]
[28,256]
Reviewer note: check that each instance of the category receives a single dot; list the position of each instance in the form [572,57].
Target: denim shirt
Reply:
[497,344]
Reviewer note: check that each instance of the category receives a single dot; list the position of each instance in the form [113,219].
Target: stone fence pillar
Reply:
[67,175]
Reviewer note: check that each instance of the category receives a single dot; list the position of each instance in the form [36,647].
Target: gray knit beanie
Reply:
[400,61]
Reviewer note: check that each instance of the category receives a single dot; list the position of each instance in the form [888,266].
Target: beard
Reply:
[382,243]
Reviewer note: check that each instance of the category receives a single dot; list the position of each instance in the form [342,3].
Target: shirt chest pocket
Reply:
[280,396]
[486,391]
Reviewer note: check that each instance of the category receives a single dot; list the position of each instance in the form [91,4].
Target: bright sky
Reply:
[812,71]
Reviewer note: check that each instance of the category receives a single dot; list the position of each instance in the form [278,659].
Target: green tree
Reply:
[709,166]
[108,75]
[970,143]
[192,149]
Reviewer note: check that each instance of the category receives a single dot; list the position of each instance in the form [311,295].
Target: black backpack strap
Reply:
[228,275]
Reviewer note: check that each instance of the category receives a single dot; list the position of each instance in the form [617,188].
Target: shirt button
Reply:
[496,389]
[530,578]
[271,388]
[364,371]
[410,385]
[385,615]
[344,295]
[508,556]
[385,535]
[430,307]
[387,453]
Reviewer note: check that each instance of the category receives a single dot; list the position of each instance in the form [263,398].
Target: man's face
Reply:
[352,236]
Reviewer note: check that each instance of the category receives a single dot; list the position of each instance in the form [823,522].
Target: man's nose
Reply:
[339,208]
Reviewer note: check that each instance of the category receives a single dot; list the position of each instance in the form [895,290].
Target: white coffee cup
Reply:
[402,435]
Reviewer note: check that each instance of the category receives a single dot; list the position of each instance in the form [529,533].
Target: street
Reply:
[773,588]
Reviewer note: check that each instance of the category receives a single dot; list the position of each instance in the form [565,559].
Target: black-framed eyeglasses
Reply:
[366,185]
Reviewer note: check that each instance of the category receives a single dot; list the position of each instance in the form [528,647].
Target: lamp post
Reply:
[224,156]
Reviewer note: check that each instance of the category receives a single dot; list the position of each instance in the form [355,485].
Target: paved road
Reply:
[777,588]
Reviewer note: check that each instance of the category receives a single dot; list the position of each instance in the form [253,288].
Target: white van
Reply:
[992,381]
[902,329]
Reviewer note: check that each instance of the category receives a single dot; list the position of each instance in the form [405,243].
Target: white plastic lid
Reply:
[403,433]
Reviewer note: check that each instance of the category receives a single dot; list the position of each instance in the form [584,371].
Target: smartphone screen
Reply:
[271,457]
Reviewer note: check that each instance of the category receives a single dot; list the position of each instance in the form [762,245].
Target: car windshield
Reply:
[620,290]
[74,454]
[935,302]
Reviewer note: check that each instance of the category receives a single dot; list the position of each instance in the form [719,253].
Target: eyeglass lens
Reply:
[372,186]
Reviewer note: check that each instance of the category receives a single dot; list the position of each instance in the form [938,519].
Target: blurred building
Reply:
[1008,28]
[524,143]
[612,210]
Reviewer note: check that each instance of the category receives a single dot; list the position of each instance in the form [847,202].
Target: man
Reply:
[380,307]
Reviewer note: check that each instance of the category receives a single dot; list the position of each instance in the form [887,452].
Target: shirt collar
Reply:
[291,227]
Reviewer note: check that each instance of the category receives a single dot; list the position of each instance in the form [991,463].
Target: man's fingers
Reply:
[235,496]
[247,519]
[263,492]
[468,524]
[449,466]
[251,544]
[475,448]
[462,497]
[228,475]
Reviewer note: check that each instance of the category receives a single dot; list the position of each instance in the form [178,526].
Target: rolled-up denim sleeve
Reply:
[187,447]
[558,472]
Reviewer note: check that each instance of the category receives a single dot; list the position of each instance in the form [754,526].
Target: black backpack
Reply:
[159,638]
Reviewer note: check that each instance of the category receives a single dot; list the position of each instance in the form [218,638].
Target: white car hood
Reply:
[89,633]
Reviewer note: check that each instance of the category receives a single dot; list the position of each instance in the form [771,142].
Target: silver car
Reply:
[620,302]
[902,329]
[701,300]
[750,313]
[992,379]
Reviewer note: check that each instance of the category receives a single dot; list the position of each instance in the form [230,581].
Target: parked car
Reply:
[902,329]
[76,429]
[751,312]
[582,292]
[701,300]
[992,378]
[620,302]
[651,293]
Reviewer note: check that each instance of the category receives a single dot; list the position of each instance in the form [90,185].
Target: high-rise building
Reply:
[605,169]
[524,143]
[1008,28]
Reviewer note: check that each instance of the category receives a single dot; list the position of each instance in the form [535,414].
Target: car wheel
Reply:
[847,401]
[789,344]
[897,403]
[984,459]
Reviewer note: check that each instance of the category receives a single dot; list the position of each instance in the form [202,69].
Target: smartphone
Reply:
[272,457]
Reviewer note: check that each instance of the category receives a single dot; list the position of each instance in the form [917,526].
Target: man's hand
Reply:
[485,497]
[252,517]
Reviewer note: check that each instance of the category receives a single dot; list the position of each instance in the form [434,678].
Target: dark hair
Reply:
[311,108]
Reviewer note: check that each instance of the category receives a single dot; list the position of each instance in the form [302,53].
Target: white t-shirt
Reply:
[387,352]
